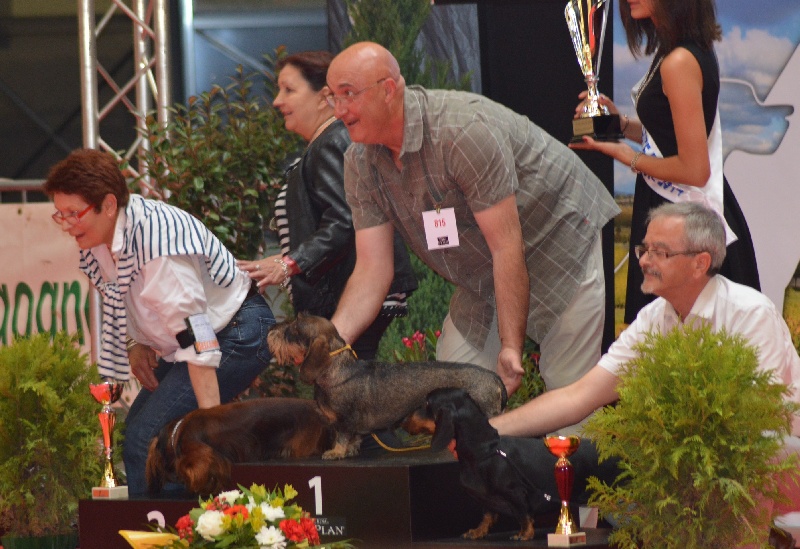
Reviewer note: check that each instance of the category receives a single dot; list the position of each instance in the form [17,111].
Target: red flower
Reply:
[407,342]
[185,527]
[296,531]
[310,529]
[237,509]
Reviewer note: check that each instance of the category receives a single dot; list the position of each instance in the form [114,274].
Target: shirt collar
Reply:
[413,122]
[703,307]
[119,233]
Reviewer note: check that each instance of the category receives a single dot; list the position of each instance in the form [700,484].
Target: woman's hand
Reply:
[266,271]
[603,100]
[615,149]
[144,361]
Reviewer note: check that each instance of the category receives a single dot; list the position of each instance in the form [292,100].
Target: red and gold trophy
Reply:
[566,534]
[107,393]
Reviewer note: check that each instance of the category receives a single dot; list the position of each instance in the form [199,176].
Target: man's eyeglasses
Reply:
[72,217]
[349,96]
[640,250]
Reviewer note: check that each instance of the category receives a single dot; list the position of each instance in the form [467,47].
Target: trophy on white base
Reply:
[566,534]
[107,393]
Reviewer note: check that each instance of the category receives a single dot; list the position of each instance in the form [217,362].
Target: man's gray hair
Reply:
[703,227]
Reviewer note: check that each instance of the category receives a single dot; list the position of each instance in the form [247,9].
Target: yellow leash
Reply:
[343,349]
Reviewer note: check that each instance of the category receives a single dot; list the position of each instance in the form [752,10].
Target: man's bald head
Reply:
[369,59]
[368,92]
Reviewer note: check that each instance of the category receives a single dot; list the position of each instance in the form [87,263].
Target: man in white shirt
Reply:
[682,250]
[684,246]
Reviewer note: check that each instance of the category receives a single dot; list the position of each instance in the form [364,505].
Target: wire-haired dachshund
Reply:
[512,476]
[198,449]
[360,396]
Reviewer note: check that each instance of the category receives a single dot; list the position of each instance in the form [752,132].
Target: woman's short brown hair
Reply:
[313,66]
[90,174]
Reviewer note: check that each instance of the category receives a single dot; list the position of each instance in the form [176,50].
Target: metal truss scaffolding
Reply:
[147,90]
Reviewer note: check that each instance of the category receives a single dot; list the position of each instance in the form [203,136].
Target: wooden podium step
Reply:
[385,500]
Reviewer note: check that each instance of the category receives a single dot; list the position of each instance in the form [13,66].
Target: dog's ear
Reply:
[316,361]
[445,428]
[154,469]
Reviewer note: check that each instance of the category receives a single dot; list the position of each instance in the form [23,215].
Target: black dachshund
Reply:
[510,476]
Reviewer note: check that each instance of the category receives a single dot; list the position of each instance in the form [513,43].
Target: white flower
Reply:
[209,524]
[270,537]
[272,513]
[230,496]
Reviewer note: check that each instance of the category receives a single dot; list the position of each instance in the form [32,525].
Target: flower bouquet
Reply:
[241,519]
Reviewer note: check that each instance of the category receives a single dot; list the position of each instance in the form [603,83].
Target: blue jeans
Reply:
[245,354]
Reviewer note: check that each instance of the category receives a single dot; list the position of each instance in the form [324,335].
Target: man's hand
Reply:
[143,361]
[509,368]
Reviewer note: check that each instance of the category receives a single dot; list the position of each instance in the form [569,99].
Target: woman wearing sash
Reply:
[178,313]
[679,128]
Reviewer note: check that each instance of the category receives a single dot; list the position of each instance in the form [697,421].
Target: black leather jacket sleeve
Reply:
[320,224]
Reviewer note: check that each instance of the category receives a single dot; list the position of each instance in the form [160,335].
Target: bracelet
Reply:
[634,161]
[130,344]
[627,121]
[286,273]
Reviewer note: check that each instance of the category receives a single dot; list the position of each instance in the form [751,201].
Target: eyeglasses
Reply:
[349,96]
[640,250]
[72,217]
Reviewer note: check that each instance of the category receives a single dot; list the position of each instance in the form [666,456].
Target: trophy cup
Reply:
[107,393]
[566,534]
[586,20]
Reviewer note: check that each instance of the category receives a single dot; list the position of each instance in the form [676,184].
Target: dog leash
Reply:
[403,449]
[343,349]
[521,475]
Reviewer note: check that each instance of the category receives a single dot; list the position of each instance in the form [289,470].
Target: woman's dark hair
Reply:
[678,21]
[313,66]
[90,174]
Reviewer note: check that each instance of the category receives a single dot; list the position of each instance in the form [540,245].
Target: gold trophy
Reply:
[566,534]
[107,393]
[586,20]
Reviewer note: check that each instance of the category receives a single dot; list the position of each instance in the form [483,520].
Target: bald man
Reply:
[489,201]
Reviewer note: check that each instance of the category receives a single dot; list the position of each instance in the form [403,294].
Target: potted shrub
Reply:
[698,431]
[49,440]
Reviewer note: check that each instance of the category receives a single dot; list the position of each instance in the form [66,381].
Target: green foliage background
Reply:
[49,435]
[221,158]
[698,429]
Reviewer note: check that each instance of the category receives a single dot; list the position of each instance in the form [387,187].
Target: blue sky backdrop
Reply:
[758,39]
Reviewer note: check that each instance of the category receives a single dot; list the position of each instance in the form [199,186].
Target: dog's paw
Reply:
[352,450]
[475,533]
[337,452]
[526,531]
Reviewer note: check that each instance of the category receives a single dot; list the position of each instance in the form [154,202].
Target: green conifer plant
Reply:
[698,430]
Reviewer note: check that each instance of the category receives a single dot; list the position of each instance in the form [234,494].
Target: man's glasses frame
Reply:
[641,249]
[72,217]
[349,96]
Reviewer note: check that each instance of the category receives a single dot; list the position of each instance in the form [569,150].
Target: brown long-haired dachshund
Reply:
[198,449]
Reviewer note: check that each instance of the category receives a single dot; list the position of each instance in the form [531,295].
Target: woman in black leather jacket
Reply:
[313,219]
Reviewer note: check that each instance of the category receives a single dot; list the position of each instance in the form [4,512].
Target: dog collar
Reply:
[174,432]
[343,349]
